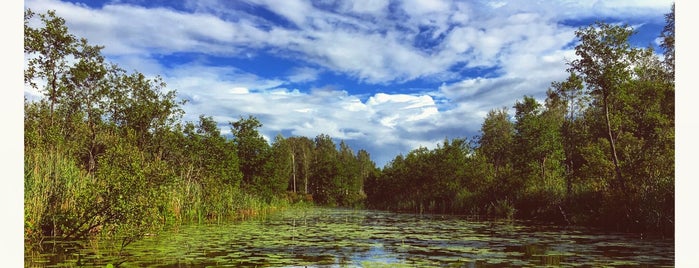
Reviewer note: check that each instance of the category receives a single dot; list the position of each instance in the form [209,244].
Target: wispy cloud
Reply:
[303,74]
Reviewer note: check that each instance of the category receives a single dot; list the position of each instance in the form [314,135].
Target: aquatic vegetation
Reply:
[298,237]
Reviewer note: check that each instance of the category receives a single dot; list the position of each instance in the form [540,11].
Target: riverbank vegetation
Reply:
[106,151]
[599,150]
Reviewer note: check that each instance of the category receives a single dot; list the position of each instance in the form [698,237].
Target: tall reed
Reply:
[210,200]
[53,188]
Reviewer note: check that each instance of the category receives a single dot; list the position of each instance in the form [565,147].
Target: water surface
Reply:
[322,237]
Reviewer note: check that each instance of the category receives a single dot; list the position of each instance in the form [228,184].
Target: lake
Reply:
[325,237]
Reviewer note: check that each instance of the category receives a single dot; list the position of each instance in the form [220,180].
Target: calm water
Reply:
[360,238]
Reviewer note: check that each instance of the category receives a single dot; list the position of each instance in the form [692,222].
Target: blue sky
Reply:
[386,76]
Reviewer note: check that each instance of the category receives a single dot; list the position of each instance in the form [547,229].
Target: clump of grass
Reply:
[53,188]
[502,209]
[209,200]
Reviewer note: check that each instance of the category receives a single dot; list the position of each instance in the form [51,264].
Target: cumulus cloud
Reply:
[389,124]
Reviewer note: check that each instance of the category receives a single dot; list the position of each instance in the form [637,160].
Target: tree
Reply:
[668,42]
[350,177]
[449,174]
[624,138]
[568,99]
[278,169]
[99,174]
[416,179]
[251,147]
[604,66]
[211,153]
[495,147]
[85,92]
[496,138]
[325,184]
[141,104]
[386,188]
[538,155]
[367,169]
[302,148]
[48,49]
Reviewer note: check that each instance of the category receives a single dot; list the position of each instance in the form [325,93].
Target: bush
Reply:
[501,209]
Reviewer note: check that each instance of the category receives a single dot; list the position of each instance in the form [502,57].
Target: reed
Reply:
[53,190]
[191,201]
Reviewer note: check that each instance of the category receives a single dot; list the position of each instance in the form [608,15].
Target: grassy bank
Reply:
[61,200]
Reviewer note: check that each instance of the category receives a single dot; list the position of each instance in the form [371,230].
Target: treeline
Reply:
[598,151]
[106,151]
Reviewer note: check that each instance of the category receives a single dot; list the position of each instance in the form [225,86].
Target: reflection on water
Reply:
[360,238]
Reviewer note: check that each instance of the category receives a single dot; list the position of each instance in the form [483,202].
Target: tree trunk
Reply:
[53,95]
[305,173]
[543,170]
[612,145]
[293,168]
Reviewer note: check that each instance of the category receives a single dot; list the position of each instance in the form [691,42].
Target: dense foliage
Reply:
[598,151]
[106,151]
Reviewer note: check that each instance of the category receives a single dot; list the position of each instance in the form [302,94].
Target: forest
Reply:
[106,151]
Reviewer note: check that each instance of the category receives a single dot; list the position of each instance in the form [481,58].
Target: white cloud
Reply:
[303,74]
[386,124]
[422,7]
[239,90]
[375,48]
[374,8]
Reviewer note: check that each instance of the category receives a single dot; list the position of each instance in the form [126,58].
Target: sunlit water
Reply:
[361,238]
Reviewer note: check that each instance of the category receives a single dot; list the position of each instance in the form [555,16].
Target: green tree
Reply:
[252,149]
[302,148]
[668,42]
[619,147]
[47,50]
[417,179]
[386,187]
[449,174]
[213,154]
[568,98]
[349,177]
[84,98]
[142,104]
[278,169]
[480,188]
[604,62]
[494,146]
[367,169]
[648,139]
[497,133]
[539,156]
[95,175]
[325,182]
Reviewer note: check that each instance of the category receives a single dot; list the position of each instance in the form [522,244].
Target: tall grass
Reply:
[53,188]
[190,199]
[210,200]
[61,199]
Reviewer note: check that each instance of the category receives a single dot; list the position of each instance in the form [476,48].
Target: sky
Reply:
[385,76]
